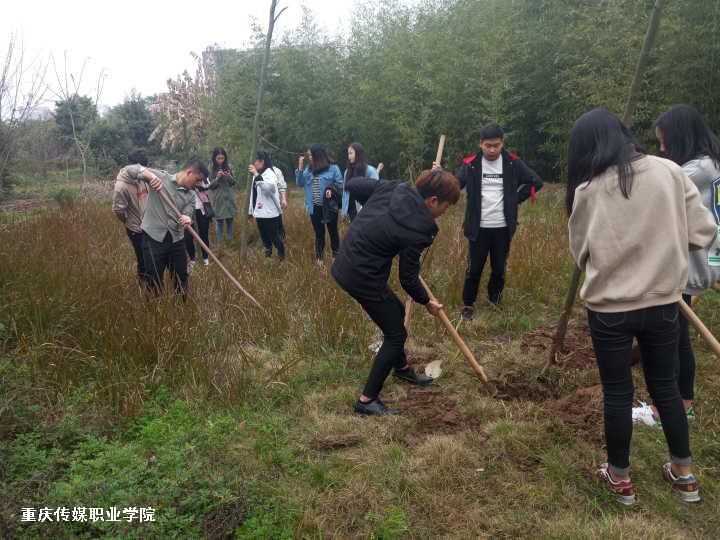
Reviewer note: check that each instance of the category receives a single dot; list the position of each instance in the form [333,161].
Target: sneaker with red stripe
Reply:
[686,486]
[623,489]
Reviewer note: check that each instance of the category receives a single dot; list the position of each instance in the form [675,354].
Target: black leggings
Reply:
[686,357]
[270,234]
[202,226]
[656,329]
[332,227]
[388,313]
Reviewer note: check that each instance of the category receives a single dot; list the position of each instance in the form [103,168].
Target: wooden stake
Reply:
[477,368]
[175,210]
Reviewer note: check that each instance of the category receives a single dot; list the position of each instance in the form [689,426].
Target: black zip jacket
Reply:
[394,221]
[519,183]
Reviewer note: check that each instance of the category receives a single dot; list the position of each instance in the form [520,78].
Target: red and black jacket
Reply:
[520,183]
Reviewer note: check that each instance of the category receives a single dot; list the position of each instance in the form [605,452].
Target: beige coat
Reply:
[635,251]
[129,198]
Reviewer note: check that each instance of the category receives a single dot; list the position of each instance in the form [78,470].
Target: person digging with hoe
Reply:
[163,242]
[397,219]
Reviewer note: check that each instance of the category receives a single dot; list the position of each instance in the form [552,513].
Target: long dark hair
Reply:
[225,166]
[359,168]
[320,159]
[598,141]
[265,158]
[685,135]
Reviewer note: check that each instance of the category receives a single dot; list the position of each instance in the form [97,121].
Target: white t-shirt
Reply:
[492,215]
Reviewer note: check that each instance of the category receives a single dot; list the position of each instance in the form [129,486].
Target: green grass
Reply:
[217,415]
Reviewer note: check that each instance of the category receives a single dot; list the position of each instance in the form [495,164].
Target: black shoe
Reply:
[409,375]
[374,408]
[466,315]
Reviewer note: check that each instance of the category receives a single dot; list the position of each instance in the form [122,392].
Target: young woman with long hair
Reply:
[632,219]
[357,167]
[684,138]
[323,181]
[221,184]
[265,203]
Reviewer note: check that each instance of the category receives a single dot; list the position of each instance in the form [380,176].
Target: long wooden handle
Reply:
[441,147]
[559,339]
[700,327]
[174,208]
[477,368]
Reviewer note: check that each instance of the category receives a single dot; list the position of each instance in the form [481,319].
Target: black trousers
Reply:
[352,208]
[269,229]
[136,239]
[389,314]
[686,358]
[332,228]
[202,226]
[493,242]
[656,330]
[163,255]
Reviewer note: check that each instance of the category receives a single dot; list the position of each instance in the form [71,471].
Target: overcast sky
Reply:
[140,44]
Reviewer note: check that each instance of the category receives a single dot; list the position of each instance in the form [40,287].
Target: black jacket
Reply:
[394,220]
[331,206]
[519,183]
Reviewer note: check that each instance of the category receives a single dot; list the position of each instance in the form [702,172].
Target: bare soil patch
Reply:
[434,413]
[223,520]
[577,351]
[581,411]
[523,387]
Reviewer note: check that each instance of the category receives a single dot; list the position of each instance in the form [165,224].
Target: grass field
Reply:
[235,423]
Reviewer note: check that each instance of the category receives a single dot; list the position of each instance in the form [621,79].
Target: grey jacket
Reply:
[706,176]
[158,220]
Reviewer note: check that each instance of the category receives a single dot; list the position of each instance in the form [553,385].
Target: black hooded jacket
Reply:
[394,221]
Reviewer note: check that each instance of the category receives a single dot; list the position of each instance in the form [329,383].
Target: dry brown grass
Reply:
[515,470]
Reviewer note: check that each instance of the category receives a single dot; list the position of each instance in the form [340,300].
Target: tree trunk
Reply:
[255,135]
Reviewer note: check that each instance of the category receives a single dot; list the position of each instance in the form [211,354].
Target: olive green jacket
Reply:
[223,196]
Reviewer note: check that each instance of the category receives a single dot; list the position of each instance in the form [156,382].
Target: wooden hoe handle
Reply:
[172,207]
[477,368]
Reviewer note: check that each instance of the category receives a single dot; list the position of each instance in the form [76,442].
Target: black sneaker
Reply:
[409,375]
[374,408]
[467,313]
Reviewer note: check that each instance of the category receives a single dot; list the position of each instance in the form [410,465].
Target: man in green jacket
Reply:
[163,238]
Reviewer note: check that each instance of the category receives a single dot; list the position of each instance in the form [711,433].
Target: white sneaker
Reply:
[206,262]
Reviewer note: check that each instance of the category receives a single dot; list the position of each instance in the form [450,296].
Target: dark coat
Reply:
[394,221]
[520,182]
[331,206]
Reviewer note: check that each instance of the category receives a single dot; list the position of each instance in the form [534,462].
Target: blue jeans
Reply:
[219,228]
[656,329]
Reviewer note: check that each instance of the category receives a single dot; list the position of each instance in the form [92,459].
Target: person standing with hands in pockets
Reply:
[497,182]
